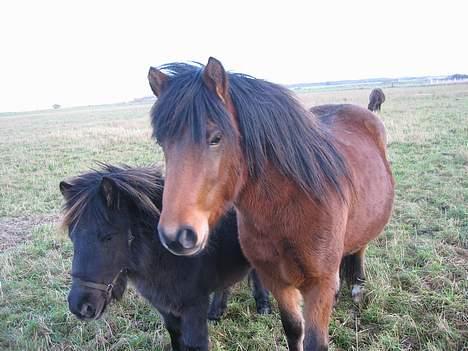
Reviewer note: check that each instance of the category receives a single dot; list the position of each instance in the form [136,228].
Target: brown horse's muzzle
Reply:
[181,242]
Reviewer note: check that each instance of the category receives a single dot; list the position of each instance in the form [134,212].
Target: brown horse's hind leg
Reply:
[318,303]
[352,269]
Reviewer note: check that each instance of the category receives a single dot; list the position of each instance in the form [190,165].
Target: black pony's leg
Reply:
[218,304]
[173,326]
[260,293]
[194,327]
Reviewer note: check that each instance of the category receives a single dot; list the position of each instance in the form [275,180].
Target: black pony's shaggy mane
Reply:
[143,186]
[274,127]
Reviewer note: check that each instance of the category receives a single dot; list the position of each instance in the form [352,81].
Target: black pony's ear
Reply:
[157,80]
[109,191]
[64,188]
[215,78]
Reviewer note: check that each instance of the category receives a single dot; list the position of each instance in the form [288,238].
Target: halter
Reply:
[107,288]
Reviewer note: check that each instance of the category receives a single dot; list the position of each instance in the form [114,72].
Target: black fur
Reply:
[178,287]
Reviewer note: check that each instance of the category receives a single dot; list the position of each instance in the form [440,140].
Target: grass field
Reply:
[417,288]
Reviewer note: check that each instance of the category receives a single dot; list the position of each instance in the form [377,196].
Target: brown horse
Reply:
[311,188]
[376,99]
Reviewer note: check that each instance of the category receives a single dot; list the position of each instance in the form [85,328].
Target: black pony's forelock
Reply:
[274,127]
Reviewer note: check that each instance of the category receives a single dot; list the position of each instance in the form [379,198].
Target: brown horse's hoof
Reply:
[357,293]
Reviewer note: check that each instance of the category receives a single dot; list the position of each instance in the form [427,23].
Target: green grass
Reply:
[417,270]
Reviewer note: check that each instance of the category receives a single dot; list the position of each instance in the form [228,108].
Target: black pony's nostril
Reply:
[187,238]
[87,310]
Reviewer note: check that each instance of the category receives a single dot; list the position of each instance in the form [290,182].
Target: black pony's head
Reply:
[100,212]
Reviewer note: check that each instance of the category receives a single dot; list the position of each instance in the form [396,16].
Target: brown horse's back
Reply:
[362,139]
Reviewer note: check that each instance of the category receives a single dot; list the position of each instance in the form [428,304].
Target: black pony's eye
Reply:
[107,237]
[215,139]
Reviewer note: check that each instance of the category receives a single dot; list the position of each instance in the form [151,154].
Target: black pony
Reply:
[112,215]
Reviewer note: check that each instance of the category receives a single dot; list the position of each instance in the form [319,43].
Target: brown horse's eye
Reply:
[215,139]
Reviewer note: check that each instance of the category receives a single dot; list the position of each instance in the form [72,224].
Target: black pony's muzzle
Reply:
[88,299]
[86,305]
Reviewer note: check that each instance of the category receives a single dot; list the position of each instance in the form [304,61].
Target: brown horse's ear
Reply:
[157,80]
[64,188]
[109,191]
[215,78]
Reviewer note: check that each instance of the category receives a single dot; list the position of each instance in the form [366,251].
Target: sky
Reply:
[92,52]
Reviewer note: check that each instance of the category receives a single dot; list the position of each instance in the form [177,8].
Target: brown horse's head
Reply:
[221,130]
[201,153]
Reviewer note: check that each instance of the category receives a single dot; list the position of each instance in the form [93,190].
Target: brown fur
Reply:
[311,260]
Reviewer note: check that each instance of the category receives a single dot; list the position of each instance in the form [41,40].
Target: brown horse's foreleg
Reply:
[289,299]
[319,296]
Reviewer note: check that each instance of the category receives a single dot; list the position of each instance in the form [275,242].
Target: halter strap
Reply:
[107,288]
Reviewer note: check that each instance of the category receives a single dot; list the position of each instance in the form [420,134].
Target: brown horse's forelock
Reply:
[141,185]
[274,128]
[187,106]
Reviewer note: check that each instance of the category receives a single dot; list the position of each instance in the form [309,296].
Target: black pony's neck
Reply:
[145,246]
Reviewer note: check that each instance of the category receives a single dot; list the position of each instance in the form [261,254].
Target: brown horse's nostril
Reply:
[187,238]
[181,242]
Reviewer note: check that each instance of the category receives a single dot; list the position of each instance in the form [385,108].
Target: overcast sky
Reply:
[91,52]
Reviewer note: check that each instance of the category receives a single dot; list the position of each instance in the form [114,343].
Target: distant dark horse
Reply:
[309,188]
[376,99]
[111,215]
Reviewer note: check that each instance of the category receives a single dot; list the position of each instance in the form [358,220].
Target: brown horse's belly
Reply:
[373,181]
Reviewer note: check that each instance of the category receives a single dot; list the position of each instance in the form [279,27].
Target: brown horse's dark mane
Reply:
[274,127]
[141,185]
